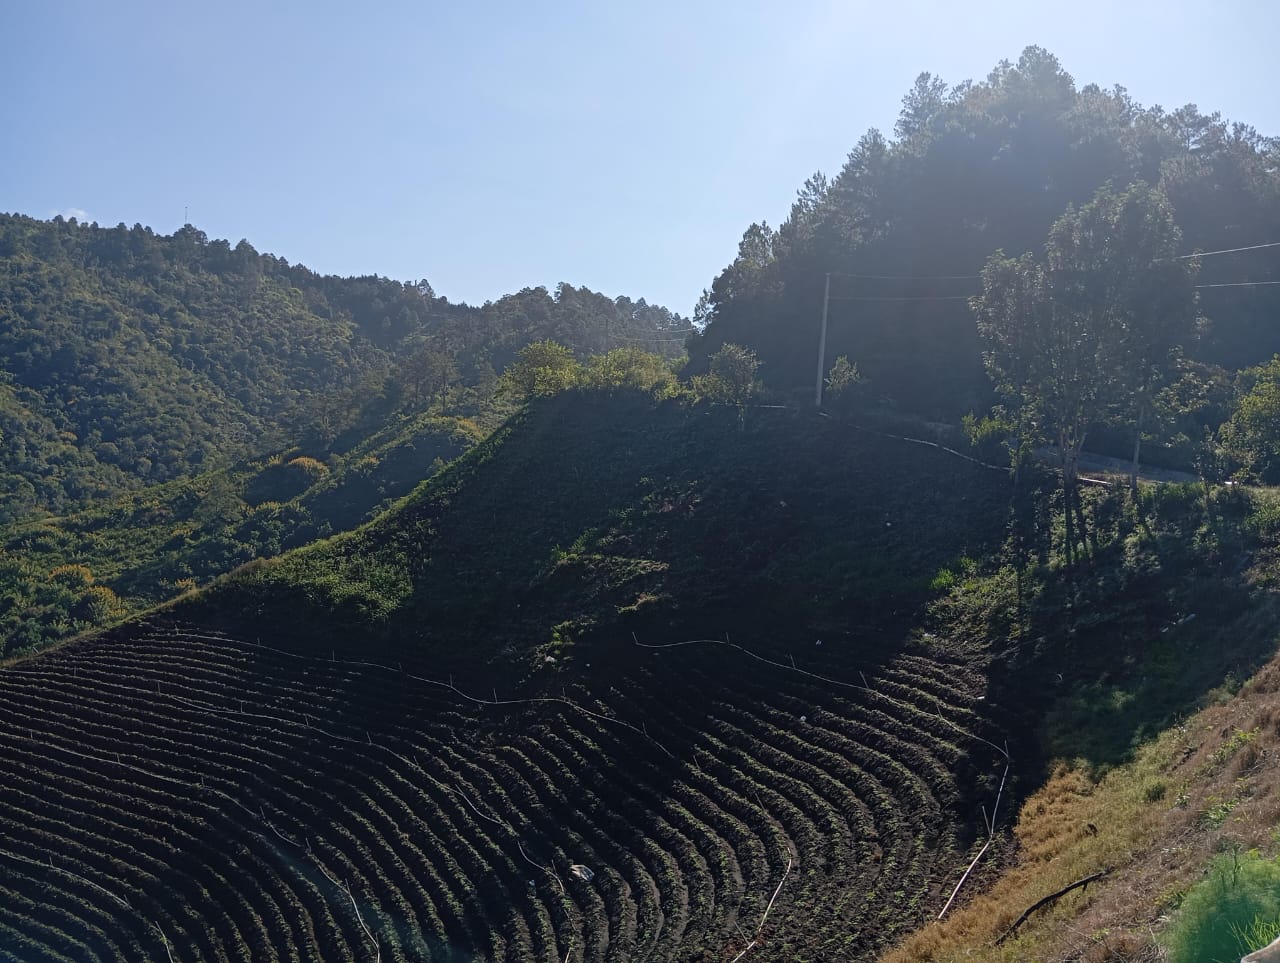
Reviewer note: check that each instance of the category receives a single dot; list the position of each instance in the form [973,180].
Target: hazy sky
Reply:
[488,147]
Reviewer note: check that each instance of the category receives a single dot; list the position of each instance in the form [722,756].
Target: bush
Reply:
[1233,912]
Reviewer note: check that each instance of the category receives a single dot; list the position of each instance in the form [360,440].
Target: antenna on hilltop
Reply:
[185,219]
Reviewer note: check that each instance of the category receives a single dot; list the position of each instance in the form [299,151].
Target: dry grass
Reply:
[1208,786]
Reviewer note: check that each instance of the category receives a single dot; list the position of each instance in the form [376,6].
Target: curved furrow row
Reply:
[28,833]
[892,854]
[124,931]
[603,796]
[653,786]
[749,847]
[127,811]
[33,940]
[583,785]
[480,889]
[961,676]
[84,924]
[289,897]
[393,849]
[452,782]
[580,841]
[672,729]
[829,753]
[277,765]
[403,821]
[306,925]
[499,888]
[538,836]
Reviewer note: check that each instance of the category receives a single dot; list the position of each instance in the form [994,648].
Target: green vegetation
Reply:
[644,510]
[907,224]
[1090,333]
[143,548]
[1251,438]
[129,358]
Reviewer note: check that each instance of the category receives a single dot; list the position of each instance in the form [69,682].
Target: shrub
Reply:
[97,606]
[312,467]
[1228,914]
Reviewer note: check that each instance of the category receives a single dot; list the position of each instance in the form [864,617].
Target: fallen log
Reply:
[1078,884]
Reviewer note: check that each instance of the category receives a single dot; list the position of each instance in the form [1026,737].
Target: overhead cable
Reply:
[1238,284]
[923,297]
[907,277]
[1230,250]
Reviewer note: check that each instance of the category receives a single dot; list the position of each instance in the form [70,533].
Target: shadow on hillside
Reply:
[1171,613]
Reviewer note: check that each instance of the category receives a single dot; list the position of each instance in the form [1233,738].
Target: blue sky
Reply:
[488,147]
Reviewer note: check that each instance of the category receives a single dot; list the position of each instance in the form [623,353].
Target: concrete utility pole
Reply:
[822,342]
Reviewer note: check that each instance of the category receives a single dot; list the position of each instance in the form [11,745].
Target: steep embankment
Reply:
[270,794]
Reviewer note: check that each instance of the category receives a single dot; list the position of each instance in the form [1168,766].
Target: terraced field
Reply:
[171,794]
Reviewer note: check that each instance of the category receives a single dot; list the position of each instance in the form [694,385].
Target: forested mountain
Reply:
[129,357]
[906,226]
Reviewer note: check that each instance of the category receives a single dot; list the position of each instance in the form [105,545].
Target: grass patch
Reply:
[1235,911]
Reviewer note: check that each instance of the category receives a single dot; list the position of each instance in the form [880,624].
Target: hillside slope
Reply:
[64,575]
[129,358]
[408,763]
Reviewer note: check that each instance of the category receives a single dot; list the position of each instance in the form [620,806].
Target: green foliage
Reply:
[988,435]
[1251,438]
[844,376]
[129,358]
[1089,330]
[846,388]
[102,563]
[1233,912]
[646,512]
[732,378]
[544,368]
[976,167]
[631,368]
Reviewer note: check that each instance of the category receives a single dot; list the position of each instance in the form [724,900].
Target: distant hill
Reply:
[129,357]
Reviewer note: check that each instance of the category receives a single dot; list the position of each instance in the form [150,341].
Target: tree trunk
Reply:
[1137,447]
[1069,468]
[1077,528]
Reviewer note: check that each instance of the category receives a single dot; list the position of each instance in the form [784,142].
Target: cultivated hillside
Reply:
[628,681]
[251,763]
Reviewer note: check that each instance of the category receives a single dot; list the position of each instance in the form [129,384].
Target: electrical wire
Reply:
[922,297]
[907,277]
[1229,250]
[1238,284]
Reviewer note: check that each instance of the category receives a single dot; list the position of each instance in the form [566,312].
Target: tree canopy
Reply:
[906,226]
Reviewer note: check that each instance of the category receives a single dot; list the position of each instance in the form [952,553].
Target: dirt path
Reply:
[1105,468]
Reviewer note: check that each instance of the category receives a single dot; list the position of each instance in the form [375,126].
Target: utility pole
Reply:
[822,341]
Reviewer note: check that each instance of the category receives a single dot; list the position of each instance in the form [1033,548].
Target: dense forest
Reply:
[129,357]
[905,227]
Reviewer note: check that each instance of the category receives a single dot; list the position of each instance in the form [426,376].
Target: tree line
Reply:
[1015,163]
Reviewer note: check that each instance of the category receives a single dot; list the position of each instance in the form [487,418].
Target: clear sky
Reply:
[491,146]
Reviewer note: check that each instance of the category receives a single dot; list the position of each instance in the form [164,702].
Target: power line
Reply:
[1230,250]
[1238,284]
[908,277]
[618,337]
[922,297]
